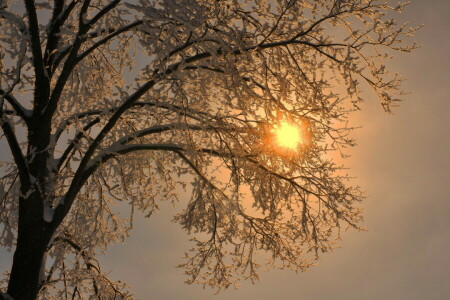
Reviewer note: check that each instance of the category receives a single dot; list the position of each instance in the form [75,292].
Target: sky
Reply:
[402,161]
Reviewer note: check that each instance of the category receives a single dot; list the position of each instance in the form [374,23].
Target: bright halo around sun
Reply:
[287,135]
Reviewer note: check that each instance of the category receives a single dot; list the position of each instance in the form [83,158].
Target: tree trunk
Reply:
[32,241]
[34,233]
[24,280]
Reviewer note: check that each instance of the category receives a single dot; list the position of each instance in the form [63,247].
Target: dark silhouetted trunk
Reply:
[33,237]
[24,280]
[34,233]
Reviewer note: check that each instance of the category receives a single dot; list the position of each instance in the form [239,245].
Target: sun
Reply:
[287,135]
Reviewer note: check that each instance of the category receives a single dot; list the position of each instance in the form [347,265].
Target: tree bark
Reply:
[24,280]
[34,235]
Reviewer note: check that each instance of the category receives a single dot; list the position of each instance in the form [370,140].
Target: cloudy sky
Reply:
[403,163]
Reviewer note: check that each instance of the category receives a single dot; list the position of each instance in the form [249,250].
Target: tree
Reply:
[105,102]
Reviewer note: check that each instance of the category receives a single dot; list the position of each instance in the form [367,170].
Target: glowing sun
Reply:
[287,135]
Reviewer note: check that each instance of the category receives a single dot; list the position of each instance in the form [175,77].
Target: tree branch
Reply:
[129,148]
[58,19]
[75,142]
[155,129]
[184,111]
[14,146]
[70,62]
[107,38]
[42,82]
[72,51]
[18,108]
[79,177]
[103,12]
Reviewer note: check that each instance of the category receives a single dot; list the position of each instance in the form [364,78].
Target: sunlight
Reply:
[287,135]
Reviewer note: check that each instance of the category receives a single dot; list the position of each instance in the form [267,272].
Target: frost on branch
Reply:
[127,104]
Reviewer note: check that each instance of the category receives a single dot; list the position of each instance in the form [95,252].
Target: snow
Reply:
[42,269]
[48,213]
[52,163]
[60,202]
[84,20]
[27,194]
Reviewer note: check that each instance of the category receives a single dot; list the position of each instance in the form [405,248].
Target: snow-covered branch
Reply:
[107,8]
[107,38]
[183,111]
[59,17]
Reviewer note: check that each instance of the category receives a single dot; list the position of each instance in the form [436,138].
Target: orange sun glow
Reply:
[287,135]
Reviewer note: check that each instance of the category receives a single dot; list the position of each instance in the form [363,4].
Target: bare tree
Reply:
[104,101]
